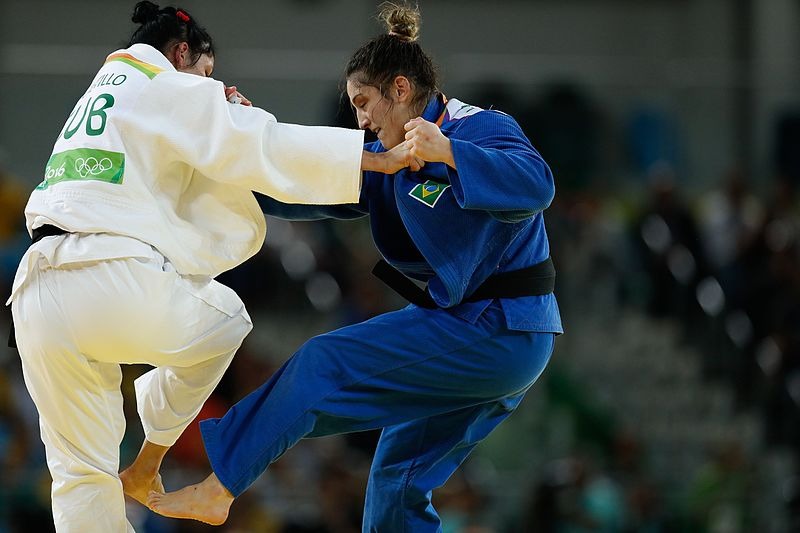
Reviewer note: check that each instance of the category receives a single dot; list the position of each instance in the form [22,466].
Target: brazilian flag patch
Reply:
[428,193]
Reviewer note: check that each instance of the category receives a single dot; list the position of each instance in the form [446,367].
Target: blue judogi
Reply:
[437,380]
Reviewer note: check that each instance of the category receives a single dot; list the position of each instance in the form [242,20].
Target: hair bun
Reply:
[144,12]
[401,21]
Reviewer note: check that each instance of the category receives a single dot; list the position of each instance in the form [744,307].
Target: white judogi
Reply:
[152,176]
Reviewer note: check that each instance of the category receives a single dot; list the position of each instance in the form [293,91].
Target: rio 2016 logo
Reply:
[52,173]
[92,166]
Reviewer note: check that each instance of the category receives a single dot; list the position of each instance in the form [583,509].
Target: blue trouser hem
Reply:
[208,432]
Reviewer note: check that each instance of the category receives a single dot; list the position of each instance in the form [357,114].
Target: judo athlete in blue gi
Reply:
[439,376]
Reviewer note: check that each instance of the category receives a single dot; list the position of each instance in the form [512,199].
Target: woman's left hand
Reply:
[427,142]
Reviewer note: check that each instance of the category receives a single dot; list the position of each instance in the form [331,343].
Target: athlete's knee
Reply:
[325,358]
[242,328]
[72,471]
[231,335]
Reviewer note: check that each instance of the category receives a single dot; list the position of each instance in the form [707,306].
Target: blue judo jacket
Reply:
[455,228]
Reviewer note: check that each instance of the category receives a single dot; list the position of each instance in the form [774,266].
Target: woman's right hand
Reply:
[392,161]
[400,157]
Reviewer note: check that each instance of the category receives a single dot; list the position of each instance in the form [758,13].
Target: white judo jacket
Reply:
[161,157]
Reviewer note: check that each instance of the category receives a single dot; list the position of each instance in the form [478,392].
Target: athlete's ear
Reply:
[402,90]
[179,55]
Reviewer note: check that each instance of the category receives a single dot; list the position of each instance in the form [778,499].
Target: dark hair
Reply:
[395,53]
[162,28]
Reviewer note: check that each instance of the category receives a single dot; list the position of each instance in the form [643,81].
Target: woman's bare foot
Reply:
[208,501]
[138,485]
[142,477]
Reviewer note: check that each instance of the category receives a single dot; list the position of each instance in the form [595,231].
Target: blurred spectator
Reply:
[643,497]
[669,245]
[719,497]
[574,496]
[564,126]
[495,94]
[462,505]
[787,156]
[652,139]
[14,239]
[729,217]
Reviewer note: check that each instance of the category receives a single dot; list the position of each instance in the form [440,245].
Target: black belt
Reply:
[36,235]
[46,231]
[535,280]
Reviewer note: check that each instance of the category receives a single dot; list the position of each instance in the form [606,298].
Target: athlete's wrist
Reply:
[370,161]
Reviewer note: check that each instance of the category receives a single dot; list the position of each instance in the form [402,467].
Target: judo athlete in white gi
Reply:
[145,199]
[439,375]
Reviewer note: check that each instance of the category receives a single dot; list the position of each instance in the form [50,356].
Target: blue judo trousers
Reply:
[437,381]
[436,387]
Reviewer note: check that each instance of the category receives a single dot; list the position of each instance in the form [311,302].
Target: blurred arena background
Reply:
[671,404]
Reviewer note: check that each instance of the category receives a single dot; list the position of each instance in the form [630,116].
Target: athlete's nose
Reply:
[363,120]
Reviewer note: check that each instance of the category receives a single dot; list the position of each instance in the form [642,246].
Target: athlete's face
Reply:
[384,115]
[183,60]
[203,67]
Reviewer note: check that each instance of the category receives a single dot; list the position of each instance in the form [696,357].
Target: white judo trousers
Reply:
[75,323]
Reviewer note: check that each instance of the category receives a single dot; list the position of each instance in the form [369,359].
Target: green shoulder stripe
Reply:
[151,71]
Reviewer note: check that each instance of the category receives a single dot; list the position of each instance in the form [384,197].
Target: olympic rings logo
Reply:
[92,166]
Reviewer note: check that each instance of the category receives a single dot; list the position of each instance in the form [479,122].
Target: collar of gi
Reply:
[149,54]
[436,109]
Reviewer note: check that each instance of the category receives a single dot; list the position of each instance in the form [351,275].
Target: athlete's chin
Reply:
[387,143]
